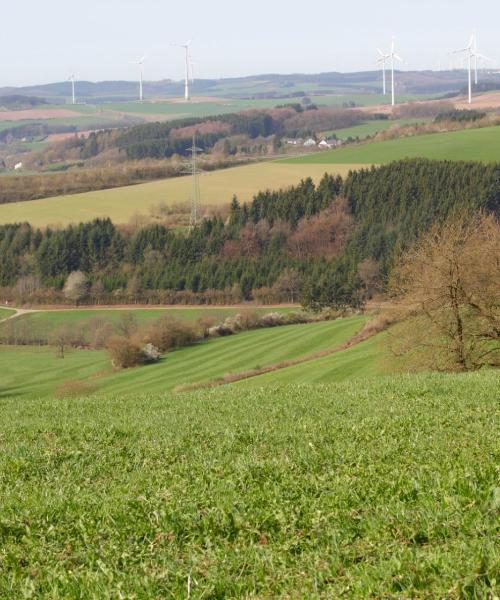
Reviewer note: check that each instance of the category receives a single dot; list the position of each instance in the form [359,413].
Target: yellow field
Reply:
[121,204]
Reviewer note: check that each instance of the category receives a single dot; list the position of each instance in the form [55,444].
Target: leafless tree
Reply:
[450,283]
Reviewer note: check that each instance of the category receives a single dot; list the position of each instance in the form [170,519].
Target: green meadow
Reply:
[470,144]
[385,488]
[363,130]
[51,319]
[33,371]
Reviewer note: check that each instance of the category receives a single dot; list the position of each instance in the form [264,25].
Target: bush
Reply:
[74,388]
[125,353]
[273,319]
[167,333]
[150,354]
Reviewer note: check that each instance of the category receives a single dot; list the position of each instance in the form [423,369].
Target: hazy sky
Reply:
[46,40]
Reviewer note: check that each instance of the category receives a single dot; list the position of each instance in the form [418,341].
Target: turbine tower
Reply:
[393,56]
[383,60]
[72,79]
[477,57]
[140,64]
[187,66]
[469,55]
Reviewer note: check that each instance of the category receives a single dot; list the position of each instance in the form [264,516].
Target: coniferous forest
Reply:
[329,244]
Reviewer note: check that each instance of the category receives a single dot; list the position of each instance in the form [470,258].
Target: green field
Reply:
[37,371]
[380,489]
[470,144]
[51,319]
[370,128]
[6,312]
[122,204]
[360,361]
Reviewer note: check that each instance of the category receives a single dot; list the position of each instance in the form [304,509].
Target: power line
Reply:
[195,172]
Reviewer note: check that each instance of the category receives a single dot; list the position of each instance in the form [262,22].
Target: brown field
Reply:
[490,100]
[38,113]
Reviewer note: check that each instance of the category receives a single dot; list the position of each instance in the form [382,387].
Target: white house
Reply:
[18,166]
[309,143]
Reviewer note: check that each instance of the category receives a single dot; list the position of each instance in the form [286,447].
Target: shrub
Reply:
[125,353]
[273,319]
[167,333]
[150,354]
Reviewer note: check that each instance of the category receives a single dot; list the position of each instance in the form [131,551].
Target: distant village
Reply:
[323,144]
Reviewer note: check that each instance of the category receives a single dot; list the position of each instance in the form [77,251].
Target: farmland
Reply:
[470,144]
[371,128]
[36,371]
[383,488]
[121,204]
[42,322]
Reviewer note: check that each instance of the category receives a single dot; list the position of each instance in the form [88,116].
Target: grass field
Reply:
[6,312]
[380,489]
[37,371]
[471,144]
[363,360]
[51,319]
[121,204]
[370,128]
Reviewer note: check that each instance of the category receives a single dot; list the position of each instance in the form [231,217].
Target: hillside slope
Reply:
[470,144]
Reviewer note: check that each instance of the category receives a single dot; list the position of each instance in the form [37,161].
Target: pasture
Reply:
[385,488]
[371,128]
[43,321]
[469,144]
[122,204]
[37,371]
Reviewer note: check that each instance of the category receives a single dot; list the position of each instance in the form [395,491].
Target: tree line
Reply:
[330,244]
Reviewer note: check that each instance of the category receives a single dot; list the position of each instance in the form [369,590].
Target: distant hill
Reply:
[20,101]
[260,86]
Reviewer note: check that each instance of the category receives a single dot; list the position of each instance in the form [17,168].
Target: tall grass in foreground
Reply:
[382,489]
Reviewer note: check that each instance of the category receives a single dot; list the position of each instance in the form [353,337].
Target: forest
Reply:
[331,244]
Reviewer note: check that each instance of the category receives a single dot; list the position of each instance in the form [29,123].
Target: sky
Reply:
[47,41]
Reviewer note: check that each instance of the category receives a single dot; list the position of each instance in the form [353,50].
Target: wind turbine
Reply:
[469,56]
[477,57]
[72,79]
[383,60]
[186,80]
[392,55]
[140,64]
[191,68]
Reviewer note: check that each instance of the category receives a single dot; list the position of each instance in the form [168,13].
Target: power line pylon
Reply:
[193,170]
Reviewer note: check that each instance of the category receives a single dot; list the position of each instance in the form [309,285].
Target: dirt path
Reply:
[55,308]
[18,313]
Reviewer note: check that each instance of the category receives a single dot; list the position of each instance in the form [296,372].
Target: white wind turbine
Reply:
[383,61]
[140,64]
[470,54]
[187,65]
[477,57]
[191,69]
[72,78]
[392,55]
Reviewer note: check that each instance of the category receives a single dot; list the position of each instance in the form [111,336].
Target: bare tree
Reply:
[61,338]
[450,283]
